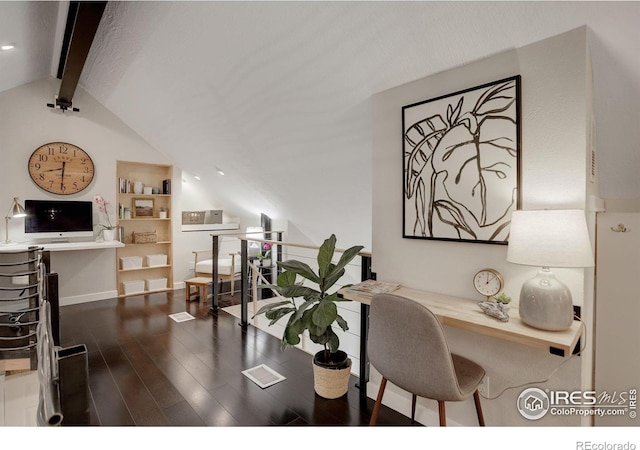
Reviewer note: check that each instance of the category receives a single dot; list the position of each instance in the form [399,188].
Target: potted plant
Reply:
[314,309]
[264,256]
[163,212]
[107,230]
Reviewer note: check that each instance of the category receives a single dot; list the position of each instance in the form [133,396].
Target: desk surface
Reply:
[63,246]
[467,315]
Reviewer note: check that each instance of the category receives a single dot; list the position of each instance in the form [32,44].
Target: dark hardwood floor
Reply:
[147,370]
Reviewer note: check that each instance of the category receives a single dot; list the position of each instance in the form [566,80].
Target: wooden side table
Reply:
[199,283]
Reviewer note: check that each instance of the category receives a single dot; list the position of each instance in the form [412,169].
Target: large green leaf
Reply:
[321,337]
[286,279]
[303,307]
[325,255]
[270,306]
[342,323]
[333,341]
[334,276]
[325,314]
[301,269]
[298,290]
[276,314]
[293,331]
[338,270]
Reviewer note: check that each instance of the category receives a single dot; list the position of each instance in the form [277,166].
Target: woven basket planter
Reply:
[331,383]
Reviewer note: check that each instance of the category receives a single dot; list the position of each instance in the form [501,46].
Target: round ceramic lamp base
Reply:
[545,303]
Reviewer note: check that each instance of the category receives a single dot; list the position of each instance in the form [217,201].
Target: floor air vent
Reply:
[181,317]
[263,376]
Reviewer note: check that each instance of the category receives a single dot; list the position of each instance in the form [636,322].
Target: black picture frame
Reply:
[461,164]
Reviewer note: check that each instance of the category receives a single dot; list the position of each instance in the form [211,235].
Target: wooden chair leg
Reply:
[376,408]
[413,408]
[476,399]
[443,414]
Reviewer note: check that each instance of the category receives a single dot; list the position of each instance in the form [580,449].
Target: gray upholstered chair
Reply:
[407,345]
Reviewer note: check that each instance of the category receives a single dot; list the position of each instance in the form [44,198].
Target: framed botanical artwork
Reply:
[461,164]
[143,207]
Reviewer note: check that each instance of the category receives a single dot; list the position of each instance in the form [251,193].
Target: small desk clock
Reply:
[488,282]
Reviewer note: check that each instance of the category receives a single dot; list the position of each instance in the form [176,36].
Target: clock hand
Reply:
[62,176]
[53,170]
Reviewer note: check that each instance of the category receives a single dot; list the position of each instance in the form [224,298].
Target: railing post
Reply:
[279,254]
[244,282]
[53,297]
[365,274]
[215,289]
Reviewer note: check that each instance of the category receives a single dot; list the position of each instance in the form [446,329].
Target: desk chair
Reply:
[407,345]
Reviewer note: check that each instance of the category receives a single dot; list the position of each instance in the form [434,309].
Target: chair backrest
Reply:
[407,345]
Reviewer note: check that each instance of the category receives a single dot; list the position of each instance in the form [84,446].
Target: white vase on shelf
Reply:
[138,187]
[109,235]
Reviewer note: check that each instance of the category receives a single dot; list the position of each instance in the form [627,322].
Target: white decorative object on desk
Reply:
[548,238]
[494,309]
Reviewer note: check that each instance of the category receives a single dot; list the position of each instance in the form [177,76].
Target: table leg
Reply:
[364,359]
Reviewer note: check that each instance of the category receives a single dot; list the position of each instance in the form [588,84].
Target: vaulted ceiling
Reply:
[278,94]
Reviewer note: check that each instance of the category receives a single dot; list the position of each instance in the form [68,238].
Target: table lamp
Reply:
[548,238]
[15,210]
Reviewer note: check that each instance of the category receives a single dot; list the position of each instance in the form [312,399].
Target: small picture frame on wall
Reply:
[461,164]
[143,208]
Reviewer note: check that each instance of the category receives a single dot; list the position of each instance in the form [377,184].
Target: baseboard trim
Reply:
[86,298]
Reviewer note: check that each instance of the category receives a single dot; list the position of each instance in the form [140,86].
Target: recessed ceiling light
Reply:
[5,47]
[196,177]
[219,170]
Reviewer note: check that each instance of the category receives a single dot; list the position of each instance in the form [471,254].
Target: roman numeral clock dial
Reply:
[61,168]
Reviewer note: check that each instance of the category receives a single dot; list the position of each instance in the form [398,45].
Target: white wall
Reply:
[26,123]
[554,133]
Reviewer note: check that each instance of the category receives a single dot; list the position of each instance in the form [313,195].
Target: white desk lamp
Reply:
[15,210]
[549,238]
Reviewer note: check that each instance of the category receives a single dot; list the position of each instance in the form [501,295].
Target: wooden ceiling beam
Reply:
[87,19]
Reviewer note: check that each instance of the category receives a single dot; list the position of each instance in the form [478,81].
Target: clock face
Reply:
[61,168]
[488,282]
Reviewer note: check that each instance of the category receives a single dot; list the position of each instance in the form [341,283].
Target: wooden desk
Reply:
[467,315]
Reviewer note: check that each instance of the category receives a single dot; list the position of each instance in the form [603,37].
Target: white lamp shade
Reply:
[550,238]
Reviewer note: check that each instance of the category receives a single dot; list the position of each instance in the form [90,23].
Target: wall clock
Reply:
[488,282]
[61,168]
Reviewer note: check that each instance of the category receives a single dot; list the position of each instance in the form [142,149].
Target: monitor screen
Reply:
[58,216]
